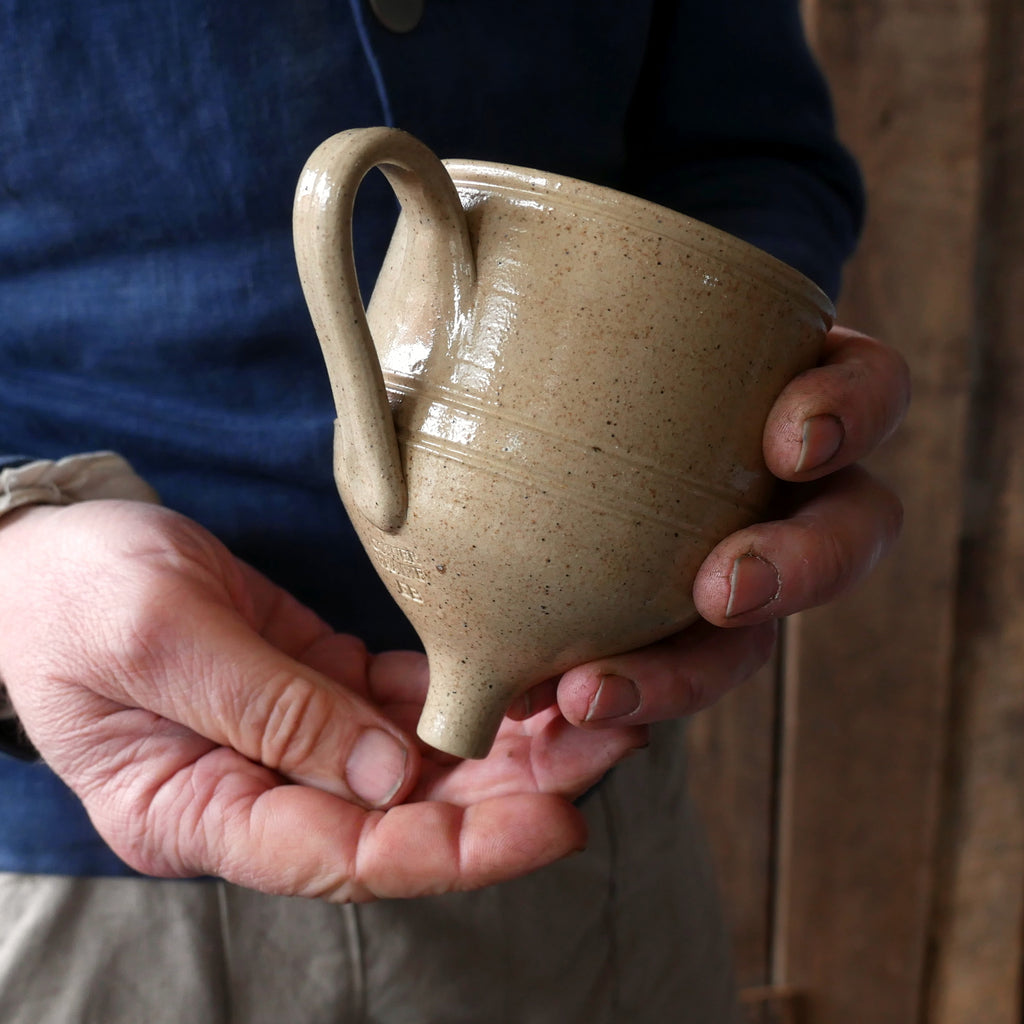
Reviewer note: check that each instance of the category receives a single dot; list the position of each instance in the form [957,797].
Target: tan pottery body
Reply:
[550,414]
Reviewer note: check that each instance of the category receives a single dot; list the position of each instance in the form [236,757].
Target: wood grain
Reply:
[883,880]
[732,760]
[978,940]
[868,678]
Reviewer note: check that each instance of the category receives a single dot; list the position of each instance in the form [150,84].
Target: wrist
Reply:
[27,486]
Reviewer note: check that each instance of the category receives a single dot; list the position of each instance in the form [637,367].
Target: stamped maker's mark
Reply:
[404,566]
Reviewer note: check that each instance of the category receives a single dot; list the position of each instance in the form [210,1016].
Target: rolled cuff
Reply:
[83,477]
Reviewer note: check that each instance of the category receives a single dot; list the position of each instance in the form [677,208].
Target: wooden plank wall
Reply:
[866,799]
[979,911]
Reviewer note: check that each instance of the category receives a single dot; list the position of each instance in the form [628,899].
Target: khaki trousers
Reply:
[627,932]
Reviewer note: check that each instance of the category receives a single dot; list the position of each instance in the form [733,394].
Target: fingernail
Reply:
[822,438]
[753,584]
[616,697]
[376,767]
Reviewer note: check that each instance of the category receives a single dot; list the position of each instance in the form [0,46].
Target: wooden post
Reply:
[978,937]
[868,678]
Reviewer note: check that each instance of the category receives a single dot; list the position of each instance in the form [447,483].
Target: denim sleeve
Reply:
[732,123]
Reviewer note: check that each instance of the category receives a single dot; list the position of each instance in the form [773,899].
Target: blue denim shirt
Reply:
[149,301]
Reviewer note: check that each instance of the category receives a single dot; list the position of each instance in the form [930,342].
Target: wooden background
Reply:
[865,797]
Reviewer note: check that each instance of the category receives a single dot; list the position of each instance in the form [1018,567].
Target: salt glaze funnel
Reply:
[548,415]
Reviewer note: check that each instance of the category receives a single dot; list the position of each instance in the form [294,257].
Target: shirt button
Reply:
[398,15]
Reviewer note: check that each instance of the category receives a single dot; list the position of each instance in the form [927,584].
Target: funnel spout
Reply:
[464,708]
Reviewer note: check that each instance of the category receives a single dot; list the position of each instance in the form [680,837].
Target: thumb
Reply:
[120,607]
[223,680]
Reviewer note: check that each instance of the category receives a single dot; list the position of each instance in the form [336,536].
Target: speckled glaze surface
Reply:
[550,413]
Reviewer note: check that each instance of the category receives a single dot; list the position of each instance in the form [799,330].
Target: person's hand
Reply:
[838,524]
[213,725]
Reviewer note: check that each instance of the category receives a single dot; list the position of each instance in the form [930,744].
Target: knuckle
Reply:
[290,719]
[825,560]
[836,565]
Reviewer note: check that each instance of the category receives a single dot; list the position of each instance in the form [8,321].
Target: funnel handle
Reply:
[322,225]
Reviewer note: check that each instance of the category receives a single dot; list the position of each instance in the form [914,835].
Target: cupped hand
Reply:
[211,724]
[839,522]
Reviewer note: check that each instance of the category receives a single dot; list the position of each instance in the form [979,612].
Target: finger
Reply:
[198,662]
[216,813]
[538,698]
[429,848]
[393,681]
[398,677]
[676,677]
[835,414]
[397,684]
[390,678]
[545,754]
[826,546]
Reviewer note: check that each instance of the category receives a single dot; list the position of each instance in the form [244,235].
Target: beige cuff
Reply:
[74,478]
